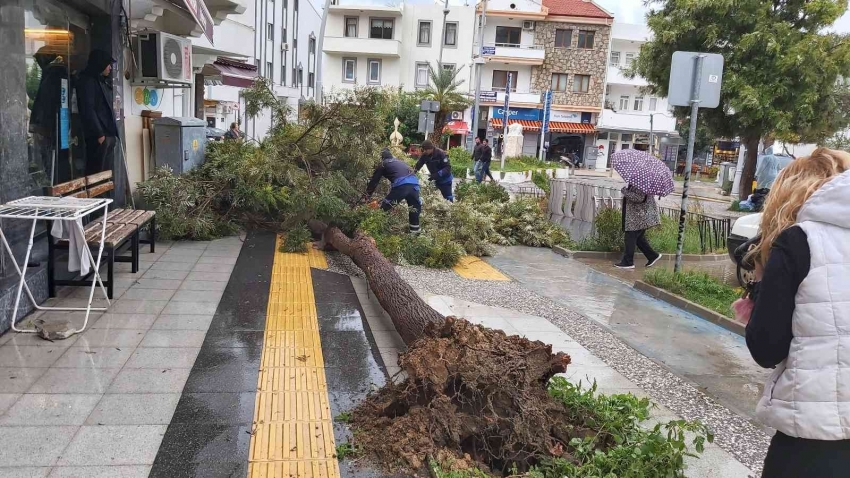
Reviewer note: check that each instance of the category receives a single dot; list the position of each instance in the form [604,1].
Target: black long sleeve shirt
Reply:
[769,332]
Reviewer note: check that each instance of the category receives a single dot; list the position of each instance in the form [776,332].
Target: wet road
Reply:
[716,360]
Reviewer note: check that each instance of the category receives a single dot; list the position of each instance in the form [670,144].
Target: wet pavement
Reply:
[714,359]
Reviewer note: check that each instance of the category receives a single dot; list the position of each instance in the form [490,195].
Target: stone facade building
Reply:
[573,60]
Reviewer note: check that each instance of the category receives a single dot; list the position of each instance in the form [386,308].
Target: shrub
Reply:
[445,253]
[541,181]
[461,160]
[486,192]
[296,239]
[608,235]
[697,287]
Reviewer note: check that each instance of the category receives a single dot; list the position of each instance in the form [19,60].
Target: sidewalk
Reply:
[98,403]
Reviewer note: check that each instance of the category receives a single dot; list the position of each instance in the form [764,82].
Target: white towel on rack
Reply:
[77,259]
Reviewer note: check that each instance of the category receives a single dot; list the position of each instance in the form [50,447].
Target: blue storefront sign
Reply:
[64,115]
[531,114]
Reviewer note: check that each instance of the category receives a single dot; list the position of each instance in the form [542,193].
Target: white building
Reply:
[392,46]
[630,112]
[285,52]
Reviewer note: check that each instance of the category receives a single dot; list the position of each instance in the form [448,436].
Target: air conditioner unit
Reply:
[457,115]
[164,58]
[528,25]
[284,47]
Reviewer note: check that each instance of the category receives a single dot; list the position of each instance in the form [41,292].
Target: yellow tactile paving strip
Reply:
[293,428]
[471,267]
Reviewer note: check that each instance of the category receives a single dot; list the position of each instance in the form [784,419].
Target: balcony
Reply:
[636,121]
[373,47]
[373,10]
[517,97]
[515,53]
[616,77]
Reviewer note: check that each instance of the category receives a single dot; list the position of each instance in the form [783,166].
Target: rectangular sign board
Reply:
[488,50]
[487,96]
[682,73]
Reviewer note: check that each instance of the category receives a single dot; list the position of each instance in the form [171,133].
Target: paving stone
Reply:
[197,296]
[29,355]
[141,293]
[168,284]
[7,400]
[124,321]
[162,357]
[74,380]
[130,471]
[94,357]
[170,275]
[50,409]
[24,472]
[19,379]
[134,409]
[203,285]
[33,446]
[209,276]
[221,268]
[183,322]
[131,306]
[114,445]
[172,266]
[173,338]
[111,338]
[190,308]
[149,380]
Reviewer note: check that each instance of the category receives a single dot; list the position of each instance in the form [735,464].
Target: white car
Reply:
[745,228]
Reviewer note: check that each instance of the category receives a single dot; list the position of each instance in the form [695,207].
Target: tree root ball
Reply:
[472,394]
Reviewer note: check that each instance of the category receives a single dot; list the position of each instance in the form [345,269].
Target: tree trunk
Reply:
[750,162]
[409,313]
[440,122]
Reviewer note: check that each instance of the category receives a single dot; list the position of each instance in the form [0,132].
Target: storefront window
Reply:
[56,45]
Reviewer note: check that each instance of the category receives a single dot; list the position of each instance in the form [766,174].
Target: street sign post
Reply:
[427,115]
[547,107]
[695,80]
[507,116]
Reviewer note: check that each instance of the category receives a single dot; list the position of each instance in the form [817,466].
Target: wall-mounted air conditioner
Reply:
[161,57]
[528,25]
[457,115]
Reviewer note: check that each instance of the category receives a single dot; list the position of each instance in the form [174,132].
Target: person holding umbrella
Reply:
[647,176]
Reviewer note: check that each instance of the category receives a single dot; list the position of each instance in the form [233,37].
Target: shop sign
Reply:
[64,115]
[530,114]
[565,116]
[487,96]
[145,98]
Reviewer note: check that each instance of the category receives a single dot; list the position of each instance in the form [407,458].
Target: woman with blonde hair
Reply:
[800,322]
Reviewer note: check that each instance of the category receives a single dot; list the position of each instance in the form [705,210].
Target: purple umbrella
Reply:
[643,171]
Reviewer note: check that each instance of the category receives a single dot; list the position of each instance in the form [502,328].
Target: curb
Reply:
[617,255]
[696,309]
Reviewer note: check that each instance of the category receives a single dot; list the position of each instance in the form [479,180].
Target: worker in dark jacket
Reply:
[486,159]
[94,95]
[439,168]
[404,186]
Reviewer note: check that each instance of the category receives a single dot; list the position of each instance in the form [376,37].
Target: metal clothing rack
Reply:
[71,209]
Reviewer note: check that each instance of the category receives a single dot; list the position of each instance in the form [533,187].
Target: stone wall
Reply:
[573,61]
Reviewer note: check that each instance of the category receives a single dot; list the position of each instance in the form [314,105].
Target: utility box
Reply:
[179,143]
[727,177]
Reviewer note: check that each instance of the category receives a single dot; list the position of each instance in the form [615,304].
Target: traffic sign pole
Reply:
[507,117]
[695,99]
[479,60]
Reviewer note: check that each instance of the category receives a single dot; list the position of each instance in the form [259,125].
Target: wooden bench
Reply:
[123,228]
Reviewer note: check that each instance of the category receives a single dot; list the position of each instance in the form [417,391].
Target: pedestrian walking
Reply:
[800,322]
[404,186]
[486,160]
[476,157]
[438,166]
[233,133]
[639,214]
[95,96]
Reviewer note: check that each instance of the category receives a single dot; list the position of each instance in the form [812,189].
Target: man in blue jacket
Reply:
[404,187]
[439,168]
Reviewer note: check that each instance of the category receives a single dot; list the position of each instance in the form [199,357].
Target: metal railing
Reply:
[713,231]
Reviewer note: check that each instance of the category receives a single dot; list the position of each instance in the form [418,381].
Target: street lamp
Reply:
[652,130]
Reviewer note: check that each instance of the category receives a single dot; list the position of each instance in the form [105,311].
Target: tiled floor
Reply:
[98,404]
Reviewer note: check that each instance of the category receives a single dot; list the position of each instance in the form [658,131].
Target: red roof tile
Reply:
[575,8]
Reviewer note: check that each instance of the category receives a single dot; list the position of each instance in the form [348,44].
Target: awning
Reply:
[554,126]
[457,127]
[230,73]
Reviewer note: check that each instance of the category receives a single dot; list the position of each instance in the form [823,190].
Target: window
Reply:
[349,70]
[563,38]
[424,37]
[450,35]
[270,32]
[283,31]
[449,66]
[294,75]
[351,27]
[653,104]
[638,103]
[311,80]
[627,137]
[269,68]
[374,72]
[508,35]
[560,81]
[615,58]
[624,103]
[312,46]
[500,79]
[283,68]
[602,136]
[421,79]
[581,83]
[300,76]
[585,39]
[630,57]
[381,29]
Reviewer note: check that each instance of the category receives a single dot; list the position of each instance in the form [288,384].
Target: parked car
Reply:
[215,134]
[745,228]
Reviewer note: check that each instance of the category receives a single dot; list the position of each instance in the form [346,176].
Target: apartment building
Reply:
[285,52]
[630,112]
[393,46]
[559,45]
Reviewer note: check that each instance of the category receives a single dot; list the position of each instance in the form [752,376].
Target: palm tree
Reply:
[445,88]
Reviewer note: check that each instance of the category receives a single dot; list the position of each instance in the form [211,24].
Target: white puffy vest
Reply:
[808,395]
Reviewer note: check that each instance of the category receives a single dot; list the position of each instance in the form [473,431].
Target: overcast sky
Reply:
[633,11]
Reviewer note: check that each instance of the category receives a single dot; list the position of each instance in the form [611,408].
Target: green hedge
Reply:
[697,287]
[608,235]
